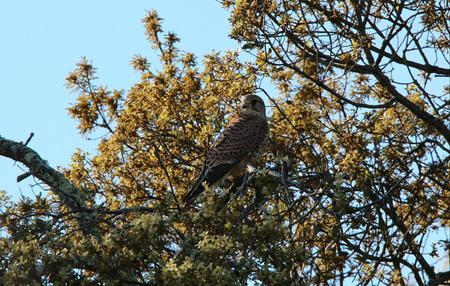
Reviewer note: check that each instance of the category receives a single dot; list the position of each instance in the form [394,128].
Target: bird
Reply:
[240,143]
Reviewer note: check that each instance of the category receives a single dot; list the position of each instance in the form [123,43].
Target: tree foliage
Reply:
[354,187]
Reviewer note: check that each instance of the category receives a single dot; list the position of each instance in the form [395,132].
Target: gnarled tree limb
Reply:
[69,195]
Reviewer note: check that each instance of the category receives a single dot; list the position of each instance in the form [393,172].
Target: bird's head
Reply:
[251,103]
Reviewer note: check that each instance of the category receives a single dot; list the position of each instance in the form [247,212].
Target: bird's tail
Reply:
[211,176]
[196,189]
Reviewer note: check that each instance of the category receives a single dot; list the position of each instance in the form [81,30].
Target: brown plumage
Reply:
[240,143]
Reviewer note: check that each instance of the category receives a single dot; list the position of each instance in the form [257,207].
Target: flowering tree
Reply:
[354,186]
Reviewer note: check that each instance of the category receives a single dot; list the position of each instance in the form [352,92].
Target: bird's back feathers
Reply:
[240,141]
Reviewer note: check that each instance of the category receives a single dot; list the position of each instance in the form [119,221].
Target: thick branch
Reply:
[437,124]
[70,196]
[440,278]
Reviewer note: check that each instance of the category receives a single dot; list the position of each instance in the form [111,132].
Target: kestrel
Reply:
[240,143]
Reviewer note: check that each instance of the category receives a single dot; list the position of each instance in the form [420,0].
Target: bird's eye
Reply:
[254,101]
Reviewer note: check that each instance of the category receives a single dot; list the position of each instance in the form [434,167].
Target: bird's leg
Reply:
[242,186]
[258,201]
[245,180]
[239,185]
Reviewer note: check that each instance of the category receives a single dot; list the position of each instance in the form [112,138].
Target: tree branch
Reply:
[69,195]
[440,278]
[437,124]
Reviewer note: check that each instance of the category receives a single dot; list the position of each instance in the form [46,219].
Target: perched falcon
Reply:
[240,143]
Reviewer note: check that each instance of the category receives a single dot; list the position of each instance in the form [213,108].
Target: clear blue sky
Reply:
[41,41]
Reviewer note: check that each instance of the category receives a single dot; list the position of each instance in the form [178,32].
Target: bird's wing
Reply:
[242,137]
